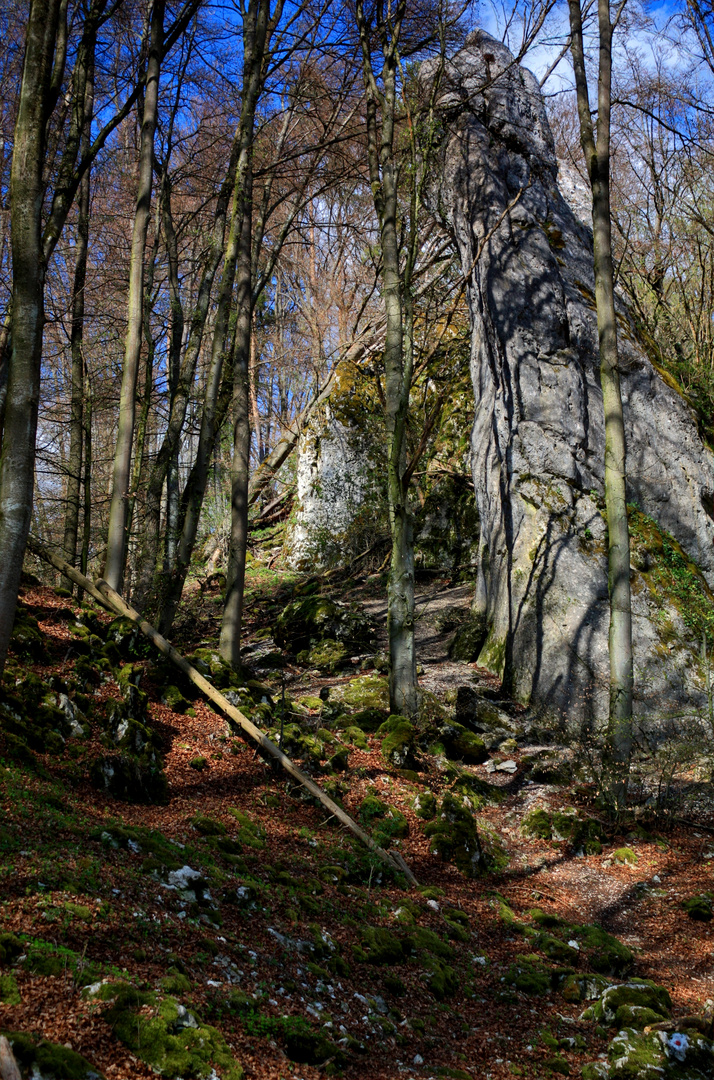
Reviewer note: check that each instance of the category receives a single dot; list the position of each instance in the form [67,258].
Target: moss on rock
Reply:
[170,1039]
[461,744]
[39,1058]
[698,907]
[454,837]
[9,992]
[398,743]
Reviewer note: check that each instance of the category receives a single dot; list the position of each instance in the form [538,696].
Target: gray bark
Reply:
[17,455]
[596,149]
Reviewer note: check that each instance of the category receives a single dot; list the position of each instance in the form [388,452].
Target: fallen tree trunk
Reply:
[108,598]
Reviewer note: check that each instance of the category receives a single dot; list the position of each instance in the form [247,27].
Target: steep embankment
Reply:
[222,925]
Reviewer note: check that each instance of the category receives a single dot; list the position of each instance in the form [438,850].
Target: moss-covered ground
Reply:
[229,927]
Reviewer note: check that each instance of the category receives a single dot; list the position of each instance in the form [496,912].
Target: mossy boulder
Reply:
[574,987]
[398,742]
[640,994]
[173,699]
[9,992]
[327,655]
[170,1039]
[385,821]
[49,1061]
[583,834]
[461,744]
[529,975]
[128,639]
[208,826]
[380,946]
[442,980]
[625,856]
[369,720]
[454,836]
[218,671]
[605,953]
[309,620]
[365,692]
[635,1055]
[27,640]
[469,639]
[698,907]
[425,805]
[356,737]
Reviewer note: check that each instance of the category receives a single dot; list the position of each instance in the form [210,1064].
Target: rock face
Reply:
[339,497]
[538,438]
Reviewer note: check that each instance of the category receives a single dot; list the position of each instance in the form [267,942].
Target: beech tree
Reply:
[595,142]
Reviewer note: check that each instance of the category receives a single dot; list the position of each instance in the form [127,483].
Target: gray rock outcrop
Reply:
[538,438]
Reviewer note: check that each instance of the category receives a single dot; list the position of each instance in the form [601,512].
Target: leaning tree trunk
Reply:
[17,456]
[121,473]
[596,149]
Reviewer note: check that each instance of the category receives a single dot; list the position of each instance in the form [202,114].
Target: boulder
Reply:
[538,438]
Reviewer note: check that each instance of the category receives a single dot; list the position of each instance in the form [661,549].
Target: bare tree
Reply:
[595,142]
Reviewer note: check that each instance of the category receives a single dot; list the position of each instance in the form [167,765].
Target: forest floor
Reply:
[296,946]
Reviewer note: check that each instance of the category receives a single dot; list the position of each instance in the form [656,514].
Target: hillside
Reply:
[171,904]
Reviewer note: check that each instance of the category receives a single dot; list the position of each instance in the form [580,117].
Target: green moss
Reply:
[637,994]
[454,837]
[394,985]
[469,640]
[250,833]
[10,947]
[698,907]
[176,983]
[426,941]
[172,1041]
[173,699]
[624,855]
[443,981]
[557,1064]
[537,823]
[555,949]
[327,655]
[425,805]
[529,976]
[365,693]
[386,821]
[461,744]
[9,993]
[381,946]
[208,826]
[46,1059]
[671,576]
[355,736]
[398,744]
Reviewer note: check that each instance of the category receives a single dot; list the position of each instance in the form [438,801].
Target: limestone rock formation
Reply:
[538,439]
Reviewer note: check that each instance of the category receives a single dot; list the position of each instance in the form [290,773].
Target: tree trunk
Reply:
[403,690]
[121,474]
[17,457]
[74,478]
[257,26]
[87,512]
[596,148]
[229,644]
[168,451]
